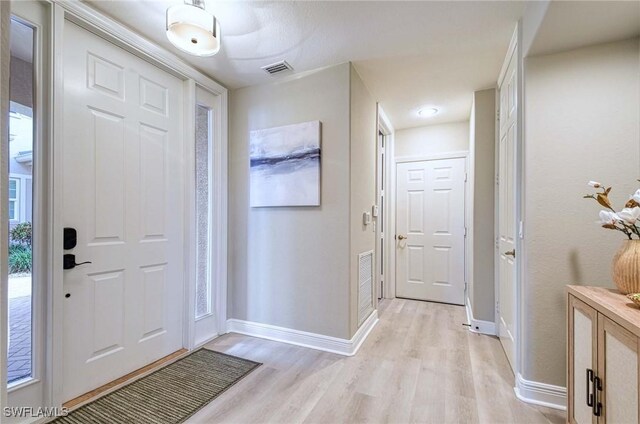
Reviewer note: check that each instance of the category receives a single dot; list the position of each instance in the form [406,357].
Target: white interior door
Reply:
[507,208]
[123,193]
[430,226]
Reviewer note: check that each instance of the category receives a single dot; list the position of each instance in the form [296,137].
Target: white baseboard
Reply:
[303,338]
[479,326]
[541,394]
[199,343]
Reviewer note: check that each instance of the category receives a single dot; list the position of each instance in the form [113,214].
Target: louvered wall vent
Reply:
[277,68]
[365,286]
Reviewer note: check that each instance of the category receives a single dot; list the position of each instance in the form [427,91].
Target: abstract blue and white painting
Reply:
[285,165]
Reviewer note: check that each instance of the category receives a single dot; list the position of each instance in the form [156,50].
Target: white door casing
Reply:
[206,324]
[506,254]
[123,192]
[37,15]
[380,224]
[430,225]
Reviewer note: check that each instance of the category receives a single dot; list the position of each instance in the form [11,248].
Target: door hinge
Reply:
[465,177]
[465,231]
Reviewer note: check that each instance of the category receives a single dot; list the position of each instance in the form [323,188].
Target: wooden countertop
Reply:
[610,302]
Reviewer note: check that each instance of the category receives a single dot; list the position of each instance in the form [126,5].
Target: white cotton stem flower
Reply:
[636,196]
[608,217]
[629,215]
[595,184]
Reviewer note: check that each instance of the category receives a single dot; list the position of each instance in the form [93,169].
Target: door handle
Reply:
[401,237]
[511,253]
[69,261]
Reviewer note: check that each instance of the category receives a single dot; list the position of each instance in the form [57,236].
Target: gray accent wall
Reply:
[582,110]
[481,240]
[292,267]
[432,139]
[363,131]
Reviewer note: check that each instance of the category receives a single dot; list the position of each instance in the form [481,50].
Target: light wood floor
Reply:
[419,365]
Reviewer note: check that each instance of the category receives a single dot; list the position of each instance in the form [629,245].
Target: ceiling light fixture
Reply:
[426,112]
[192,29]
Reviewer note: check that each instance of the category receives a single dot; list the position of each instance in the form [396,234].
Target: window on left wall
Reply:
[14,199]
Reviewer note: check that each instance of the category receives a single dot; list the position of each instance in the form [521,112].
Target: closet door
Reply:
[583,331]
[618,369]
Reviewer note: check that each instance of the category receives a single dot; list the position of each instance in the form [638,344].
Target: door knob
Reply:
[511,253]
[401,237]
[69,261]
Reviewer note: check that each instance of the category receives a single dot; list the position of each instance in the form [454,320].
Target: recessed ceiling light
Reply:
[426,112]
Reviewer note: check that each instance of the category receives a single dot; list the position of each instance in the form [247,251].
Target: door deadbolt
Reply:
[70,238]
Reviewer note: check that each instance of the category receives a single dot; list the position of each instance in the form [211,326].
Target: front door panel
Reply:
[122,153]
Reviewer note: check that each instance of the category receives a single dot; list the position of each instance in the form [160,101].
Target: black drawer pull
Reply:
[589,393]
[597,405]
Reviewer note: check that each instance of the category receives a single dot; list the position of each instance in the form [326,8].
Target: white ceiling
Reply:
[409,54]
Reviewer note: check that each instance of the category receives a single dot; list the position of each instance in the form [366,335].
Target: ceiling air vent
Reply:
[277,68]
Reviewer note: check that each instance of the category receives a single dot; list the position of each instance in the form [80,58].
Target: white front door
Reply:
[123,193]
[430,230]
[507,208]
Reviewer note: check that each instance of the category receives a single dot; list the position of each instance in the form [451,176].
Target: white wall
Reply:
[582,117]
[432,139]
[481,237]
[289,267]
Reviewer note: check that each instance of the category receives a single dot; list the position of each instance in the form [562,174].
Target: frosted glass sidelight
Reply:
[203,250]
[23,155]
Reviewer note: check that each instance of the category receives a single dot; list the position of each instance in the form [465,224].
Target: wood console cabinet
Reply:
[603,345]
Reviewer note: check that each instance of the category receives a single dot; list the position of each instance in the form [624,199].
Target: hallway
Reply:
[420,364]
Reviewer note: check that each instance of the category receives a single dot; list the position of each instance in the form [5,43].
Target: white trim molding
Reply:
[541,394]
[389,290]
[79,13]
[5,13]
[479,326]
[435,156]
[302,338]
